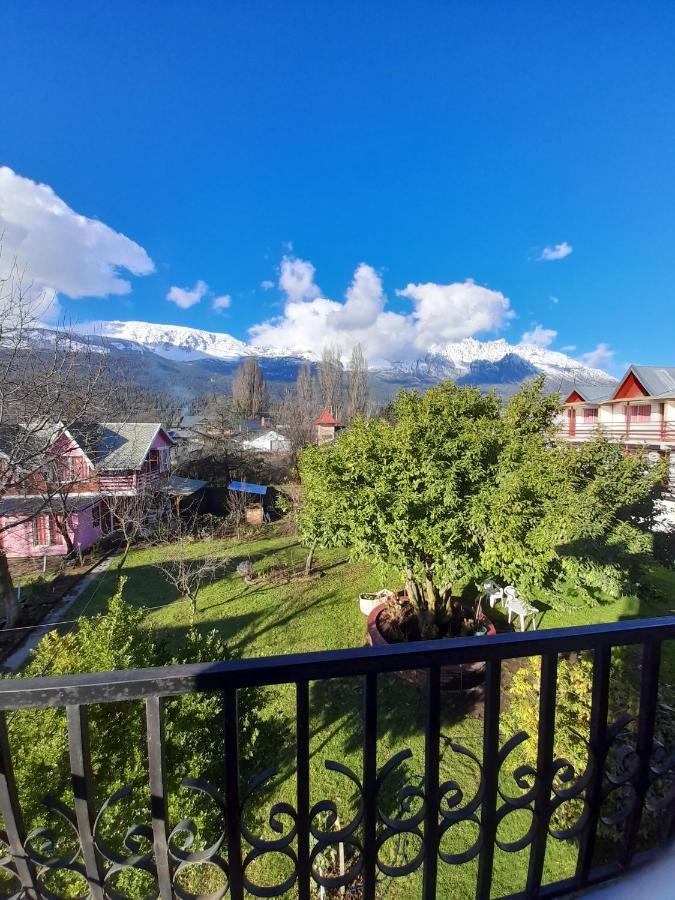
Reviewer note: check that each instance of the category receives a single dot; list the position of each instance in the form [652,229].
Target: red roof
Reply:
[575,397]
[630,387]
[326,419]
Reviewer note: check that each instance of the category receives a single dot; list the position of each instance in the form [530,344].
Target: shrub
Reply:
[119,640]
[573,718]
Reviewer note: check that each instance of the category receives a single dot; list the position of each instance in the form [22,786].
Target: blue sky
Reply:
[433,142]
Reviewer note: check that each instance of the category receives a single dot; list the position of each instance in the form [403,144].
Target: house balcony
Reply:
[649,433]
[131,482]
[422,813]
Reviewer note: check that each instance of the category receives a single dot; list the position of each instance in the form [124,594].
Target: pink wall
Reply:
[161,440]
[84,532]
[18,541]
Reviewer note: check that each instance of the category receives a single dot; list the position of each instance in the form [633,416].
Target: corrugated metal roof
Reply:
[22,440]
[593,393]
[247,488]
[658,381]
[192,421]
[183,487]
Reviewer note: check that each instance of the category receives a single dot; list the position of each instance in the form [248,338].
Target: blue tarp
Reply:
[247,488]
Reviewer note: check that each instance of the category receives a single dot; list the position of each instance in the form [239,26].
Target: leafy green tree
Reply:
[554,511]
[399,491]
[455,485]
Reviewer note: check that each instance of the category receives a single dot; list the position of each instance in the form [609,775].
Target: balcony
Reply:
[650,433]
[423,811]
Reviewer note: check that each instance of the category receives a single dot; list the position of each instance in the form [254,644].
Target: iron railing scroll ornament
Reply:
[399,820]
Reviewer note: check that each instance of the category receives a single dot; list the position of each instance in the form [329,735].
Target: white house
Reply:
[266,440]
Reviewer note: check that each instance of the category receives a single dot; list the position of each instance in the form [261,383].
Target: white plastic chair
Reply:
[516,606]
[495,594]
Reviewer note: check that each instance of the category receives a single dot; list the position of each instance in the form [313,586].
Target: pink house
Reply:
[88,464]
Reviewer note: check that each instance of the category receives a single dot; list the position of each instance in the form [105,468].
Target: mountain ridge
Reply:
[453,360]
[185,363]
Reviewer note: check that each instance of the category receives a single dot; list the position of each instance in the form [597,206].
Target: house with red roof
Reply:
[327,427]
[639,413]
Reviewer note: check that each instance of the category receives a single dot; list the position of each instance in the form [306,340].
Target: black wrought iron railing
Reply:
[427,810]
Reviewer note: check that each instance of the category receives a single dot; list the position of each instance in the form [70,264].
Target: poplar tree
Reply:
[249,391]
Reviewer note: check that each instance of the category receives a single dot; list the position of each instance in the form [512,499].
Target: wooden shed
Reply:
[259,500]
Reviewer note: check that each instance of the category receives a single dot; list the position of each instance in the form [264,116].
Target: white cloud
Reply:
[558,251]
[568,348]
[297,280]
[60,250]
[187,297]
[553,299]
[440,313]
[267,285]
[451,312]
[220,303]
[539,336]
[599,358]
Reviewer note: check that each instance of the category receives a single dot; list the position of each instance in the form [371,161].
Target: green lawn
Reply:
[263,619]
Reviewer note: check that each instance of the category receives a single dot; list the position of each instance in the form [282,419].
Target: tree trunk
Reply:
[413,590]
[310,558]
[62,525]
[431,594]
[8,595]
[123,559]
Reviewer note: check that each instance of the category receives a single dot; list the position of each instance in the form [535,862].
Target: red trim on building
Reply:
[575,397]
[572,422]
[629,388]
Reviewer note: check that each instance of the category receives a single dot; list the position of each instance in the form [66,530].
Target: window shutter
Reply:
[41,530]
[55,536]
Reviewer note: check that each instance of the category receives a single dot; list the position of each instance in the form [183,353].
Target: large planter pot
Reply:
[368,602]
[457,677]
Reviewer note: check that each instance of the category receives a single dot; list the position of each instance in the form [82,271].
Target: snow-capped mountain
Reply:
[213,355]
[170,341]
[461,358]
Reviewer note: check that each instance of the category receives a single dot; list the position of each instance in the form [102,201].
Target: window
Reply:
[40,531]
[78,470]
[153,459]
[96,516]
[640,413]
[590,415]
[55,536]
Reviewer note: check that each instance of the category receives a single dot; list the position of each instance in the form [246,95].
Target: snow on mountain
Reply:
[468,361]
[460,357]
[174,342]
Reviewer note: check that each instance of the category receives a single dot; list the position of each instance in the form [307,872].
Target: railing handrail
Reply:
[622,428]
[134,684]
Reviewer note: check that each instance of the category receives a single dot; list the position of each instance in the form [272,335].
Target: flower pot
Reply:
[368,602]
[454,677]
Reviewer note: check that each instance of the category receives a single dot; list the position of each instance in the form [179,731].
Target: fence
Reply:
[438,806]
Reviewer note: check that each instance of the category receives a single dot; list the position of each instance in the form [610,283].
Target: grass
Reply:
[304,615]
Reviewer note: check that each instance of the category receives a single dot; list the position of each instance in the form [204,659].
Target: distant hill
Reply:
[187,362]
